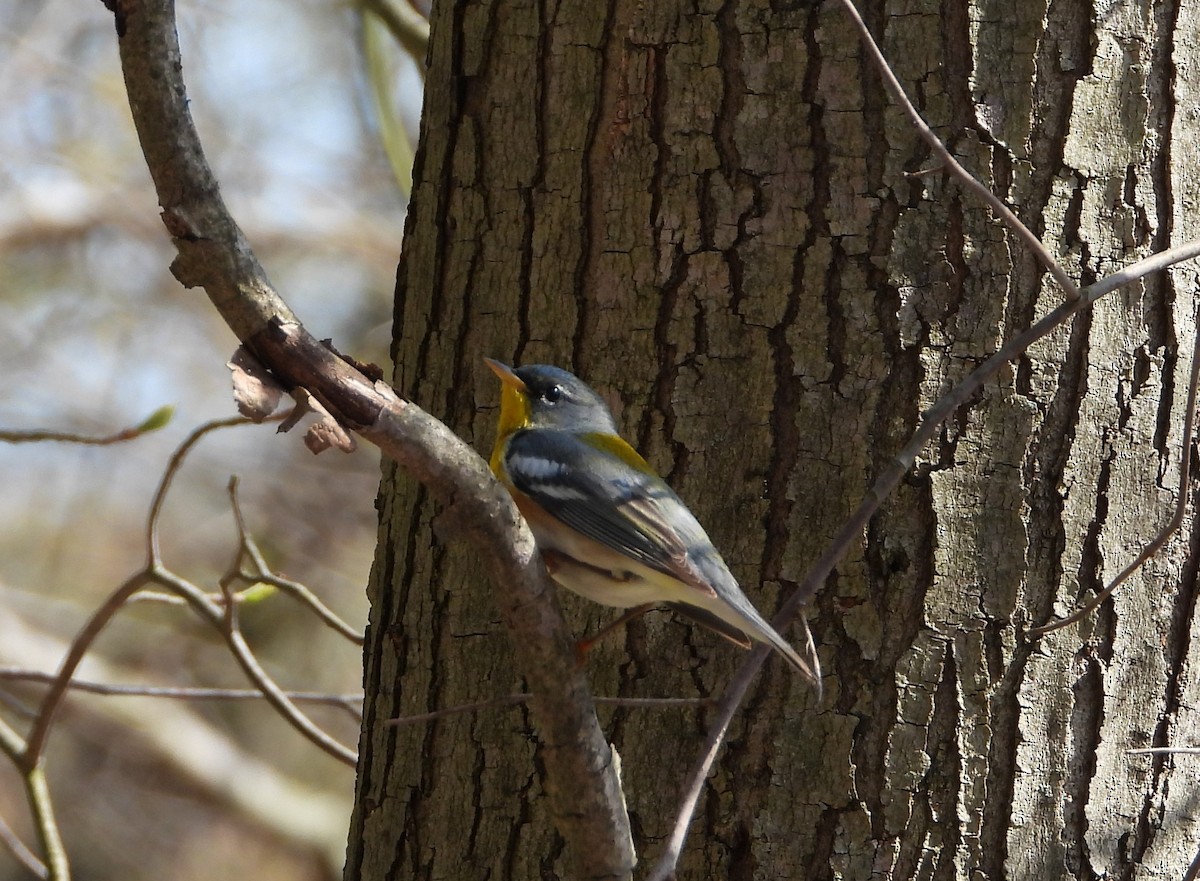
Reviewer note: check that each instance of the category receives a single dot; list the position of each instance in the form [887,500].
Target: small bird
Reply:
[608,527]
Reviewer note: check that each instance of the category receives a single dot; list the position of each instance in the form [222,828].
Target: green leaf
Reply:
[156,420]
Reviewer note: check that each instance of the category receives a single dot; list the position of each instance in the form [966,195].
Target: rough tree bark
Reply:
[710,213]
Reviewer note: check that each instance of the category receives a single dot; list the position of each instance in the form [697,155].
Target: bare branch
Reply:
[383,26]
[1142,268]
[156,596]
[153,422]
[20,852]
[37,793]
[1165,751]
[581,779]
[154,556]
[664,867]
[509,700]
[10,743]
[348,702]
[1193,870]
[407,25]
[262,574]
[40,730]
[224,619]
[198,752]
[223,616]
[651,702]
[55,866]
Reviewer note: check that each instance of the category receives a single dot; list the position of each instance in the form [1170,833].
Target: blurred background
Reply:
[95,334]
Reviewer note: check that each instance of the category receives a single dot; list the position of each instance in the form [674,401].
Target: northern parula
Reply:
[608,527]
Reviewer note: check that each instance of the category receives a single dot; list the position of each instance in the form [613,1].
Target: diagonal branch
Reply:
[224,619]
[52,700]
[22,854]
[585,796]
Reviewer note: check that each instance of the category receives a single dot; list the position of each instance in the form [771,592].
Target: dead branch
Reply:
[582,783]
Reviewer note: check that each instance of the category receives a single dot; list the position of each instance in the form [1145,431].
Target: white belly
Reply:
[608,577]
[622,589]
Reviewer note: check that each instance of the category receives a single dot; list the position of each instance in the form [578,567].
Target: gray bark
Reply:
[709,213]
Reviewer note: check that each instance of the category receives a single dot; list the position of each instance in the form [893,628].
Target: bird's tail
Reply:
[807,664]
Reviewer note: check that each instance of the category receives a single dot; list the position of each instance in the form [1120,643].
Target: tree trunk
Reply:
[718,219]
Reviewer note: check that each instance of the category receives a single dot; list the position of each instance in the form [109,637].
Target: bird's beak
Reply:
[506,374]
[514,399]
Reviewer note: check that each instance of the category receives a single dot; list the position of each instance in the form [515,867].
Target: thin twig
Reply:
[664,867]
[348,702]
[154,556]
[156,596]
[262,574]
[20,852]
[506,700]
[54,866]
[66,437]
[37,793]
[52,700]
[9,700]
[653,702]
[509,700]
[1165,751]
[11,743]
[952,165]
[223,618]
[1193,870]
[155,421]
[40,729]
[304,595]
[408,26]
[1142,268]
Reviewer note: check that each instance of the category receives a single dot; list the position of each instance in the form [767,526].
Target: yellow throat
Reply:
[514,409]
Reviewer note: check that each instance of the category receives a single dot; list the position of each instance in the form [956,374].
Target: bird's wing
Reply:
[717,625]
[608,493]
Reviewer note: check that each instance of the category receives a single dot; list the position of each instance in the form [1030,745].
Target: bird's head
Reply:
[542,396]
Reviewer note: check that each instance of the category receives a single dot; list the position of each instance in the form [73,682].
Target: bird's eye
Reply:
[552,395]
